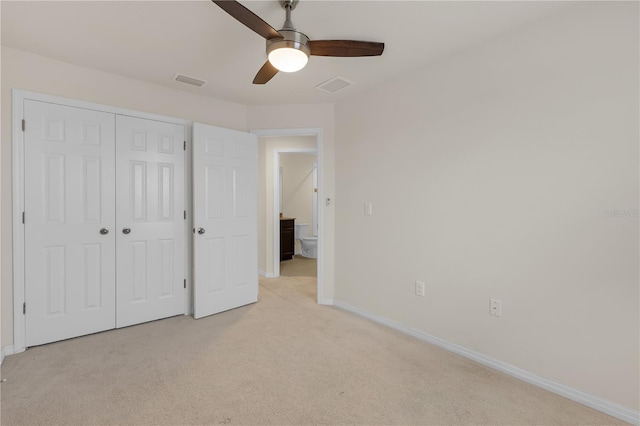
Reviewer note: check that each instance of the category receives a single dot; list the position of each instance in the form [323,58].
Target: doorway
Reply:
[297,195]
[272,144]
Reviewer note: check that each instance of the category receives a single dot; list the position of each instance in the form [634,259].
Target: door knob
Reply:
[126,230]
[201,231]
[104,231]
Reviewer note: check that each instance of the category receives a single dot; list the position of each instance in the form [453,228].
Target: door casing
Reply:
[317,133]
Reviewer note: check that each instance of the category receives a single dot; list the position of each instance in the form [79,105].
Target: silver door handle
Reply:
[104,231]
[126,231]
[201,231]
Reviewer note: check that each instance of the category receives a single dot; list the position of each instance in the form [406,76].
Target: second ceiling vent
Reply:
[189,80]
[335,84]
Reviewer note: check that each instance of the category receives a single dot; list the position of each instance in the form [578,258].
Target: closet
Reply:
[114,227]
[103,223]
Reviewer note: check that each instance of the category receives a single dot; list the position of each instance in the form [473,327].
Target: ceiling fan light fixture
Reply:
[290,53]
[288,50]
[288,59]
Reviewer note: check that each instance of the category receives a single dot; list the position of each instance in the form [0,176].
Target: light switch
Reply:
[368,209]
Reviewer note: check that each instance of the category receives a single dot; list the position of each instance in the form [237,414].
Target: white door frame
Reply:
[317,132]
[315,205]
[17,162]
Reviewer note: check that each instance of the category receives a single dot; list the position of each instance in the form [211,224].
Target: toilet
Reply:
[308,245]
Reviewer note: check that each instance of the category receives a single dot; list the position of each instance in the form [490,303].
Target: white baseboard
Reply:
[325,301]
[265,274]
[591,401]
[6,351]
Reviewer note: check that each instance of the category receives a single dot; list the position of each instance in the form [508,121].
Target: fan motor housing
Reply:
[291,3]
[290,38]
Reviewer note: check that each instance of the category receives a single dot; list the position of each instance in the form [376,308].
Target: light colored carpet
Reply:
[284,360]
[299,267]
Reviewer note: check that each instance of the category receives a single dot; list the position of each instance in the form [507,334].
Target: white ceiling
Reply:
[152,41]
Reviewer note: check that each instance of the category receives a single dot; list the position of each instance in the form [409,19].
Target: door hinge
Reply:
[185,283]
[24,308]
[185,215]
[23,218]
[184,146]
[24,124]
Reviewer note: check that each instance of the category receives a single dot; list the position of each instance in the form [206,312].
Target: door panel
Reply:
[225,184]
[69,192]
[150,189]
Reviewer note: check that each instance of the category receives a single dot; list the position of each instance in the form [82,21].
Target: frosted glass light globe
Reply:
[287,59]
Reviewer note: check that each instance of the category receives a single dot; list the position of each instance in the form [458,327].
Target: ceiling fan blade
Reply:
[265,74]
[248,18]
[345,48]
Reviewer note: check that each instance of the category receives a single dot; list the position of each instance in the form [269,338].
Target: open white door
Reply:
[225,205]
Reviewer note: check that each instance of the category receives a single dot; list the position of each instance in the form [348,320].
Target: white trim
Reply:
[591,401]
[266,133]
[265,274]
[188,224]
[317,132]
[17,165]
[328,302]
[314,200]
[24,94]
[5,352]
[17,161]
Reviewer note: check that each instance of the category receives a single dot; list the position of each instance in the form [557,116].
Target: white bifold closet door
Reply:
[150,246]
[225,203]
[104,221]
[69,222]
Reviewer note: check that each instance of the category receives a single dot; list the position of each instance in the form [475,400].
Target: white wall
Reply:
[267,146]
[493,174]
[310,116]
[27,71]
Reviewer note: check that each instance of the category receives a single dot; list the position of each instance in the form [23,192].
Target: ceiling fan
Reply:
[288,49]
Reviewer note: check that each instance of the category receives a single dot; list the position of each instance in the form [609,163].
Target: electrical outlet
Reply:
[419,288]
[495,308]
[368,209]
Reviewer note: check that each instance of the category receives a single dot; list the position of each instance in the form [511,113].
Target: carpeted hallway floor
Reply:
[299,267]
[284,360]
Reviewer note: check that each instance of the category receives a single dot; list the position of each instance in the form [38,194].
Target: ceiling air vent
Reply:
[189,80]
[335,84]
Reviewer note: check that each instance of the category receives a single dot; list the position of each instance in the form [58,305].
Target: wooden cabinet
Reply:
[287,241]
